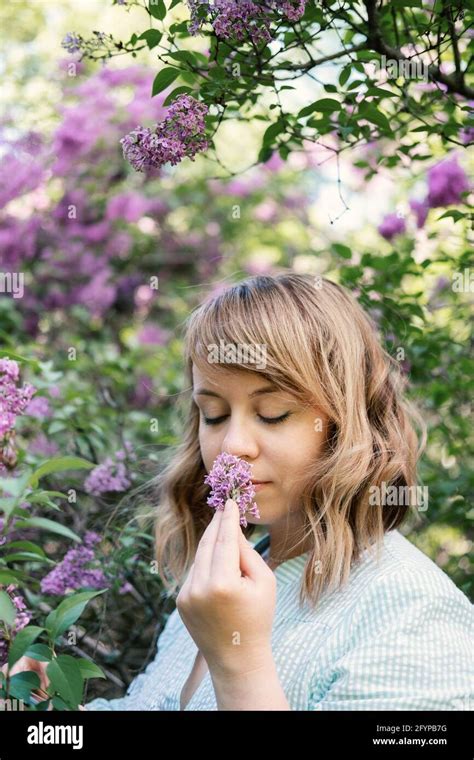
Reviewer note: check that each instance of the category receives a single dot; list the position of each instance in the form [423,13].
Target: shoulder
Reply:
[405,640]
[406,583]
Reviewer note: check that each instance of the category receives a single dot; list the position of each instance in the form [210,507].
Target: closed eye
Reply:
[266,420]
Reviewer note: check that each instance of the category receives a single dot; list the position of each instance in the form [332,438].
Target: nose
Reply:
[239,441]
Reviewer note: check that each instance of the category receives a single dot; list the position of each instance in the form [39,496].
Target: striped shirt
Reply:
[397,636]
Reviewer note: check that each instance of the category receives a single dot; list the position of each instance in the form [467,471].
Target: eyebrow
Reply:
[258,392]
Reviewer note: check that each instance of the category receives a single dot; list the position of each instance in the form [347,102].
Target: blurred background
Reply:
[114,261]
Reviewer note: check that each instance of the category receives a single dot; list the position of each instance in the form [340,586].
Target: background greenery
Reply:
[115,260]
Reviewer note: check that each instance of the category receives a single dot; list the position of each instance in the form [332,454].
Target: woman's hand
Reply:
[227,601]
[29,663]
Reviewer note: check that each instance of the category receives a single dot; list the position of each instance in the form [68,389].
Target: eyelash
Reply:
[267,420]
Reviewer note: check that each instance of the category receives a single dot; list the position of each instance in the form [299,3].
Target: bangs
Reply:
[235,330]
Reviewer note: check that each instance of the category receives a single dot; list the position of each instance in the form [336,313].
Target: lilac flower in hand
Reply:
[230,478]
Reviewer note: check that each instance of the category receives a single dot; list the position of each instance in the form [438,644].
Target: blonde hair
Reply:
[325,350]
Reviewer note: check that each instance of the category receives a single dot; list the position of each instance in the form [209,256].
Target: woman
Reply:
[333,609]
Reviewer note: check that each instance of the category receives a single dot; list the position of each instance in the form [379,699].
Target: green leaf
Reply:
[157,9]
[22,684]
[10,355]
[27,546]
[39,652]
[152,37]
[344,75]
[265,153]
[183,55]
[342,250]
[163,79]
[58,464]
[27,557]
[325,105]
[60,704]
[15,486]
[66,679]
[272,131]
[90,669]
[68,611]
[371,113]
[456,215]
[8,576]
[39,497]
[22,642]
[407,3]
[7,609]
[45,524]
[380,91]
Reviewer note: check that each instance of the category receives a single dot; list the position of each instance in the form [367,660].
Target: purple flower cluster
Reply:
[111,475]
[240,19]
[72,42]
[447,181]
[21,620]
[73,572]
[230,478]
[392,225]
[467,135]
[178,135]
[21,167]
[13,400]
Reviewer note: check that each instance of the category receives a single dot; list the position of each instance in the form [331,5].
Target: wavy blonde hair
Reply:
[325,350]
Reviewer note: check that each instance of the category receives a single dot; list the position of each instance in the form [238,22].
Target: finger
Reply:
[203,558]
[250,560]
[225,558]
[44,680]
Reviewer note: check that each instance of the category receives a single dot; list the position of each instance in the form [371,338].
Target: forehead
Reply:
[213,377]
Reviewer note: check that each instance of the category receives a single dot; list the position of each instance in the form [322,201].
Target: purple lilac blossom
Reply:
[230,478]
[446,183]
[39,408]
[22,619]
[73,572]
[392,225]
[239,19]
[467,135]
[111,475]
[420,209]
[13,400]
[72,42]
[178,135]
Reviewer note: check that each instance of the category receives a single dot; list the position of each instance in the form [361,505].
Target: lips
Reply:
[256,482]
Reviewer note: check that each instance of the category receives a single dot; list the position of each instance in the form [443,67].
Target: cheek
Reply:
[210,447]
[301,447]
